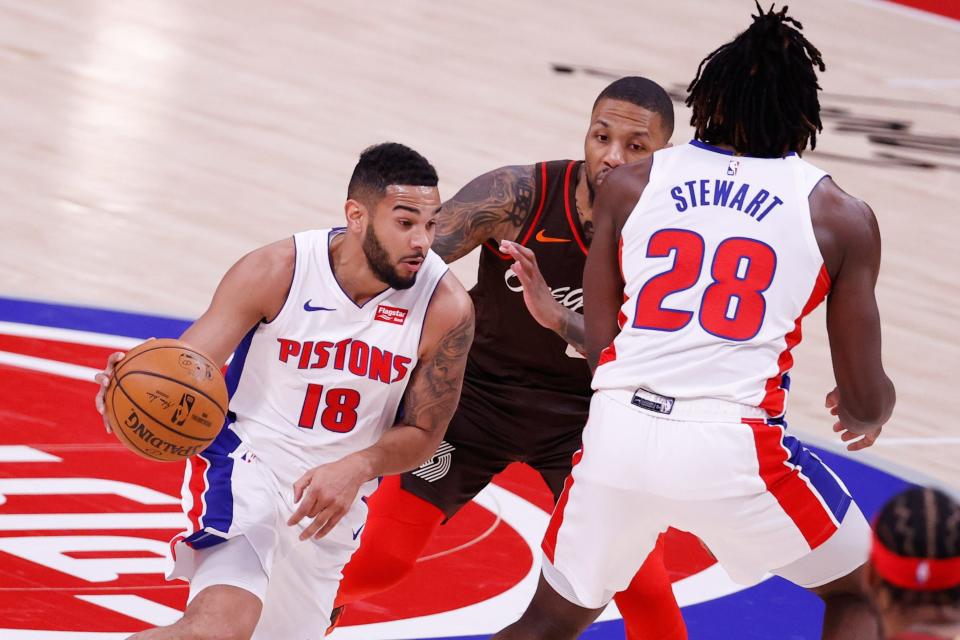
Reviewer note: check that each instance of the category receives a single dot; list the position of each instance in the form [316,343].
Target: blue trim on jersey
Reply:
[700,144]
[811,466]
[119,323]
[235,369]
[219,494]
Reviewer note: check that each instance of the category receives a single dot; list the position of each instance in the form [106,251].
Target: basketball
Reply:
[166,400]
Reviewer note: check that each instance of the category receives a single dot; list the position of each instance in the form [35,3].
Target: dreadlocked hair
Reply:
[921,523]
[758,93]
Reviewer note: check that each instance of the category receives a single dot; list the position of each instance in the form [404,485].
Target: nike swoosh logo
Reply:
[356,533]
[307,307]
[543,238]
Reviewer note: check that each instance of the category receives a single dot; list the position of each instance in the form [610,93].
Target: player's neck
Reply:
[582,197]
[352,271]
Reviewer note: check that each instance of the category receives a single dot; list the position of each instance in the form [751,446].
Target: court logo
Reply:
[439,465]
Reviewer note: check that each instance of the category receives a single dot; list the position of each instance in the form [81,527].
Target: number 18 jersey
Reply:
[720,265]
[326,377]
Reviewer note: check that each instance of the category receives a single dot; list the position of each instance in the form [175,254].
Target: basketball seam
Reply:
[178,381]
[126,361]
[123,436]
[151,416]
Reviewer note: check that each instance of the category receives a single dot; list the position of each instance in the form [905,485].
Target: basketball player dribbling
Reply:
[527,386]
[330,330]
[705,260]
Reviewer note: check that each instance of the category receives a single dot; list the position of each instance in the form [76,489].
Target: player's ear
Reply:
[355,211]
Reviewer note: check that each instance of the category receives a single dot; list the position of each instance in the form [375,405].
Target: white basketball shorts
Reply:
[759,500]
[239,536]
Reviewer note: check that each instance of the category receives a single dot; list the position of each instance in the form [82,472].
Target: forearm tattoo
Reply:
[571,329]
[433,394]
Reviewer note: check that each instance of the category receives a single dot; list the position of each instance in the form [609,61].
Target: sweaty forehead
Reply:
[413,195]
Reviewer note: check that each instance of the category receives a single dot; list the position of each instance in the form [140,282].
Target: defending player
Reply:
[706,258]
[527,388]
[329,330]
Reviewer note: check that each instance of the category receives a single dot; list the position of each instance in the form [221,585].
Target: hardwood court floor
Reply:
[149,143]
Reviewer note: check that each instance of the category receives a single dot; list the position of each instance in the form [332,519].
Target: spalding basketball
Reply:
[166,400]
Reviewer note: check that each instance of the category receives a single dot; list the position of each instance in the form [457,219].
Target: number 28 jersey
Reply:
[720,265]
[325,378]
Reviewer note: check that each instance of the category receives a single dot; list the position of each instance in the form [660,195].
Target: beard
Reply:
[380,264]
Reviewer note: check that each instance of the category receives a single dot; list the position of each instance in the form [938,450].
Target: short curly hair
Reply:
[389,163]
[644,93]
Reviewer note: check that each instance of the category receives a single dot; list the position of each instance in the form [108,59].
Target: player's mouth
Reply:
[413,264]
[600,176]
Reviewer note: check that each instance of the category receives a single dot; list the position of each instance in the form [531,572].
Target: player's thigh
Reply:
[464,463]
[305,577]
[597,539]
[226,591]
[831,566]
[802,525]
[553,459]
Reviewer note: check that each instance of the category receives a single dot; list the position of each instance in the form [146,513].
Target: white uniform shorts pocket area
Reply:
[239,536]
[759,500]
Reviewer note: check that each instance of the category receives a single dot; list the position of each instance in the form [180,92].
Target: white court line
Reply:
[910,12]
[469,543]
[43,365]
[92,521]
[67,335]
[931,84]
[23,453]
[919,440]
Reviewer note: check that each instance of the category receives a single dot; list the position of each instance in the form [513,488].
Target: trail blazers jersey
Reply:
[326,376]
[721,265]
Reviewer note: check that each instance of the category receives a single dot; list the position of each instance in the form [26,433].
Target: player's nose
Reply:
[614,156]
[420,238]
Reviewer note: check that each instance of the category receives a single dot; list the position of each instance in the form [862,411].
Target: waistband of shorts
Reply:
[706,409]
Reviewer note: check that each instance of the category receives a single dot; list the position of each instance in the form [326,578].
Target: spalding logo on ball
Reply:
[166,400]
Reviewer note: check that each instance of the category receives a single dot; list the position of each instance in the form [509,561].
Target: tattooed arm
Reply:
[493,206]
[327,492]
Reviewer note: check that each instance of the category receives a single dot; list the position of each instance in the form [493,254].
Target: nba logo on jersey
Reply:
[393,315]
[732,167]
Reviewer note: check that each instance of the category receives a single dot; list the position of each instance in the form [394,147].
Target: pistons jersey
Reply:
[325,378]
[720,265]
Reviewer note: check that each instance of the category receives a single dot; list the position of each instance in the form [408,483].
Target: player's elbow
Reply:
[867,410]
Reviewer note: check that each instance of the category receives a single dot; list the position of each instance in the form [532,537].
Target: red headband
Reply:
[917,574]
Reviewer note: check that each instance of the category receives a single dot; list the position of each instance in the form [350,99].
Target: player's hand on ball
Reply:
[857,441]
[536,294]
[326,493]
[103,378]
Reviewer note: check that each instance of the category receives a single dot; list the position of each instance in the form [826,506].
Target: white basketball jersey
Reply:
[721,265]
[326,376]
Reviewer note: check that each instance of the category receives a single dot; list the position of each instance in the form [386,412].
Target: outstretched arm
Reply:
[493,206]
[538,297]
[327,492]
